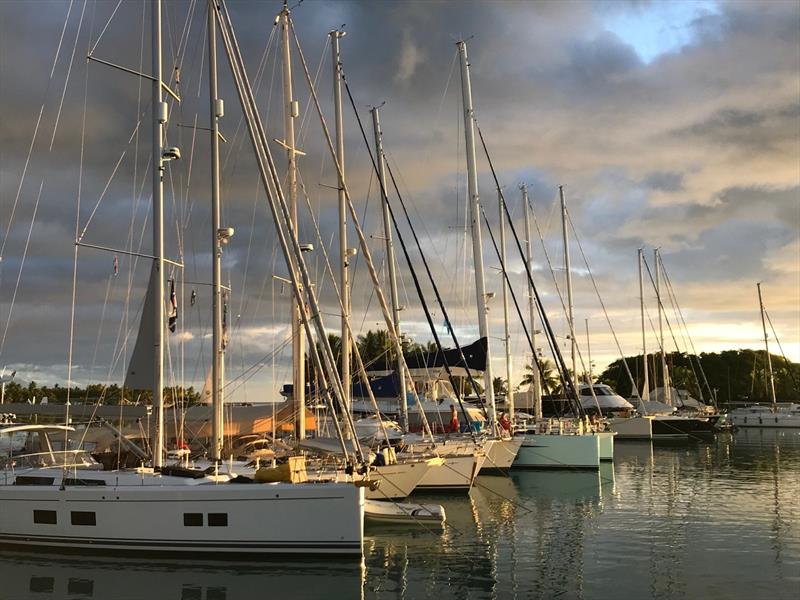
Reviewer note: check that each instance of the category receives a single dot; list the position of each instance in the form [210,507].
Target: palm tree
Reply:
[375,345]
[550,381]
[499,385]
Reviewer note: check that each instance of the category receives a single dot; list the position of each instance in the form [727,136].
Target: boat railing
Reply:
[49,460]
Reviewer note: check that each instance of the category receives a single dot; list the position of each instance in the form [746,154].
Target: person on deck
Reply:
[454,427]
[505,423]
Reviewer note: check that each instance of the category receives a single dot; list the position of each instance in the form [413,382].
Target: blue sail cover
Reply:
[387,386]
[475,355]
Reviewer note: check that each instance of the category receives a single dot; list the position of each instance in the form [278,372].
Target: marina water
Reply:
[712,520]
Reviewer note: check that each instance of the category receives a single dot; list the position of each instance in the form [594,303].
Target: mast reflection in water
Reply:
[715,520]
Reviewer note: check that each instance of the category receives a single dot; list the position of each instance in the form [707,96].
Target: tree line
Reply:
[107,394]
[733,375]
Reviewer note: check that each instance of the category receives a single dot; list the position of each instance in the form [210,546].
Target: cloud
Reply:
[695,148]
[409,58]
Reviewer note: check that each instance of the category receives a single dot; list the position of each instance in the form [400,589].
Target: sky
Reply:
[670,124]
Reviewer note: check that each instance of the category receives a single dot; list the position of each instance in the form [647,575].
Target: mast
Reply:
[646,384]
[570,304]
[219,236]
[159,119]
[664,370]
[536,386]
[390,260]
[290,111]
[343,250]
[475,215]
[589,352]
[507,334]
[766,347]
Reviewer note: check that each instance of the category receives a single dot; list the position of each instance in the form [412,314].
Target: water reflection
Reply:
[715,520]
[53,577]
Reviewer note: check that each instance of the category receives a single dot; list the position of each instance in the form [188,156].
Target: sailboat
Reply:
[51,499]
[777,414]
[655,420]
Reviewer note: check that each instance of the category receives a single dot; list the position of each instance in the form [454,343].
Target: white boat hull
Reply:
[258,518]
[633,428]
[606,439]
[397,481]
[457,473]
[500,454]
[559,452]
[403,513]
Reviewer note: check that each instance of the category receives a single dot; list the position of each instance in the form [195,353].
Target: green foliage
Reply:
[551,381]
[737,375]
[110,394]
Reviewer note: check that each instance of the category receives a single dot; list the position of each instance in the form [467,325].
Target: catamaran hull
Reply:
[559,452]
[304,519]
[606,439]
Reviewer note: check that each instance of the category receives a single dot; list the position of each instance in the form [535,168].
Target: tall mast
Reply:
[536,385]
[646,384]
[390,260]
[664,370]
[589,352]
[216,111]
[570,304]
[343,251]
[290,111]
[766,347]
[507,334]
[159,119]
[475,215]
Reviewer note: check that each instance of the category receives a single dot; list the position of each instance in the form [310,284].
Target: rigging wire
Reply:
[783,354]
[634,387]
[550,335]
[102,33]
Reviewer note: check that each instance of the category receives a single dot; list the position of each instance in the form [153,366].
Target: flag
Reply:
[173,307]
[224,320]
[447,328]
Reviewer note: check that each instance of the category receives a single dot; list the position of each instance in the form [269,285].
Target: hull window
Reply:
[217,519]
[83,518]
[193,519]
[45,517]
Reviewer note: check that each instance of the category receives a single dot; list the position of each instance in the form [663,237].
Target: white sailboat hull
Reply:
[500,454]
[633,428]
[224,519]
[559,452]
[456,474]
[396,481]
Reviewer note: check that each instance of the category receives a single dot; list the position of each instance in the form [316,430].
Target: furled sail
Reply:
[141,372]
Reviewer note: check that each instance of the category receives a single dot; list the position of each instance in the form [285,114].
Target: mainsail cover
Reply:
[141,371]
[475,355]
